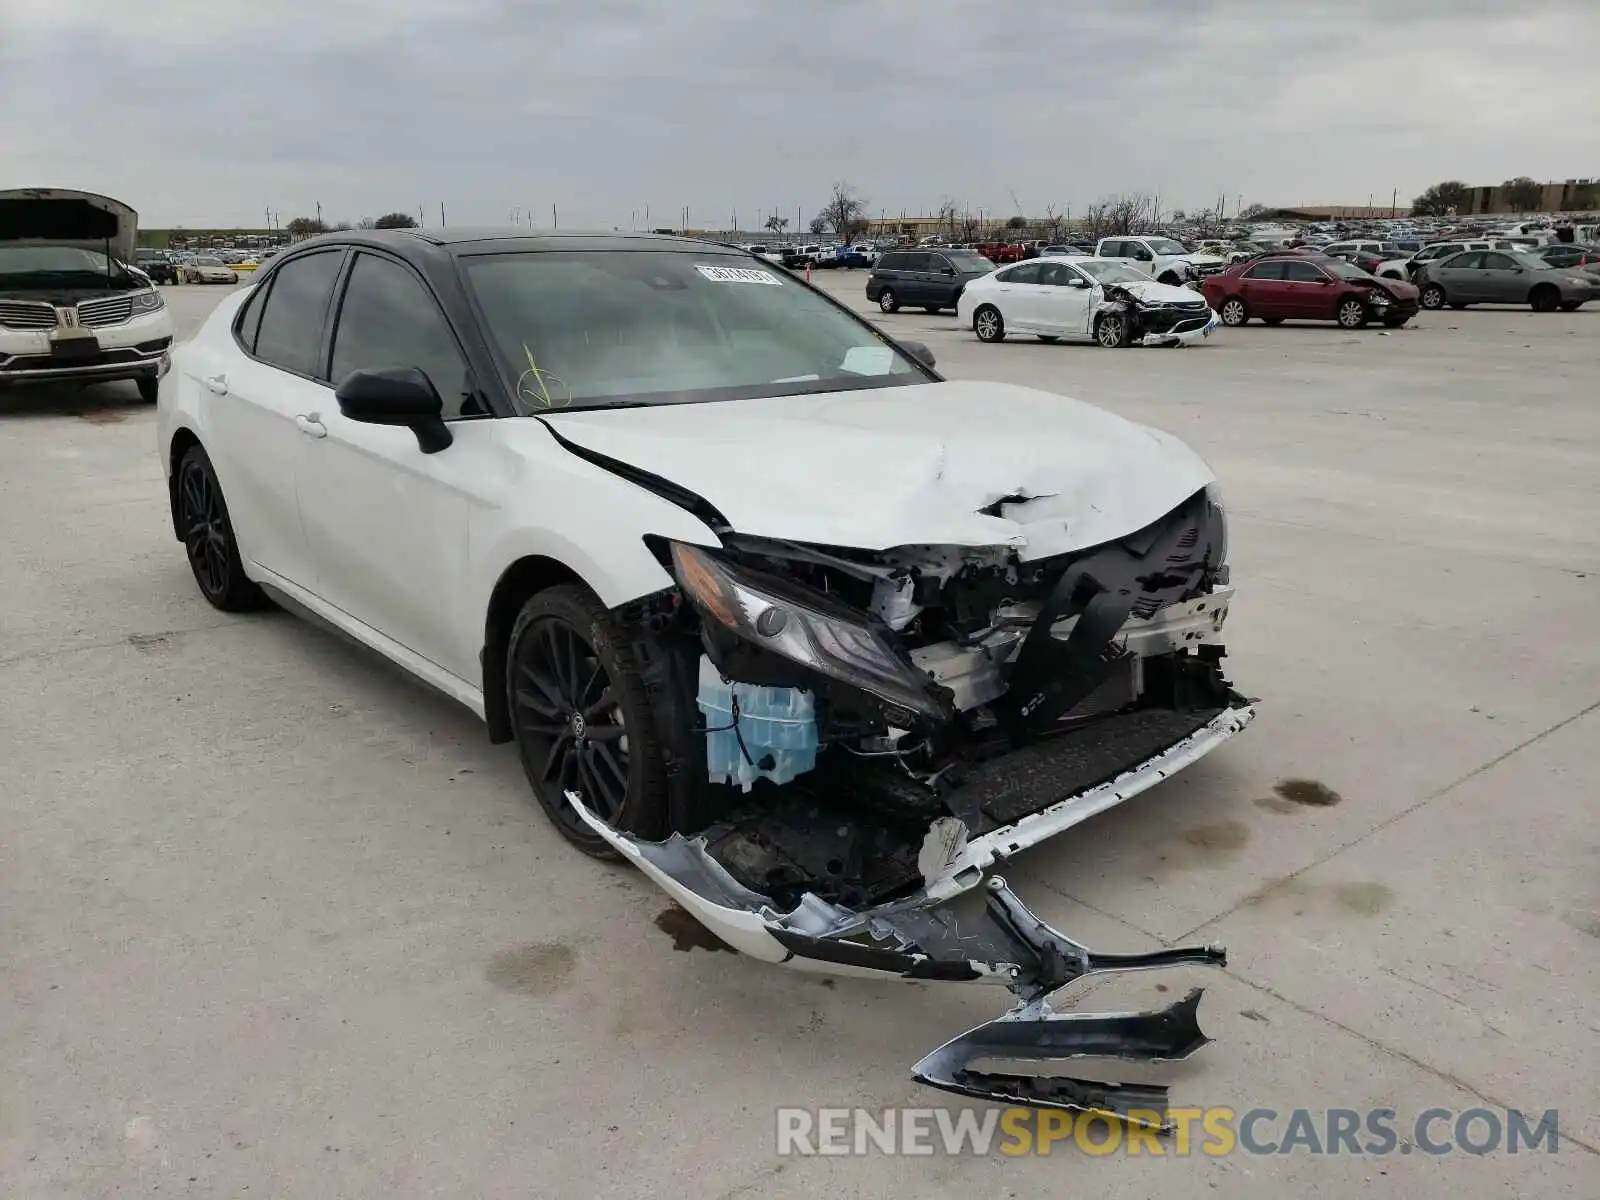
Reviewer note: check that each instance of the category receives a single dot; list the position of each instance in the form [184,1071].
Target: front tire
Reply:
[988,324]
[888,301]
[1352,314]
[1433,296]
[583,720]
[1233,312]
[149,388]
[208,537]
[1111,331]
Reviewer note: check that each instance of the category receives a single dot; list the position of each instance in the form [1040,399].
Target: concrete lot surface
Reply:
[278,922]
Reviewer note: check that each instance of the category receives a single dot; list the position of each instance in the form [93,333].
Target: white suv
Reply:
[70,310]
[1161,257]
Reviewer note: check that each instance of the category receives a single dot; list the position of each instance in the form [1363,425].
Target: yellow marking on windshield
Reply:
[537,374]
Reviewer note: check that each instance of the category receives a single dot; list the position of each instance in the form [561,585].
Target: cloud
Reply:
[203,112]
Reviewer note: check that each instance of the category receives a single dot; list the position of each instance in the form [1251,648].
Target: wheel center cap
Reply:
[578,725]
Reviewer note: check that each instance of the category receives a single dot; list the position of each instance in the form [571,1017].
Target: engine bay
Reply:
[840,720]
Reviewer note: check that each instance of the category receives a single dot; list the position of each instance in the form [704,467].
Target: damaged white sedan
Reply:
[806,632]
[1078,298]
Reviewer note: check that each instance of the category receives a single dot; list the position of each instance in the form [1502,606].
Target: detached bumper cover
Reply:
[921,938]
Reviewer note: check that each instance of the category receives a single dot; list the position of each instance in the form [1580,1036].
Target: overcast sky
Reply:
[205,112]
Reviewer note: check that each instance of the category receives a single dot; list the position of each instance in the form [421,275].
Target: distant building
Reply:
[1575,195]
[1337,212]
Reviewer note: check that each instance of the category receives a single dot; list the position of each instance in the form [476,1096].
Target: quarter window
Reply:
[389,319]
[250,318]
[290,333]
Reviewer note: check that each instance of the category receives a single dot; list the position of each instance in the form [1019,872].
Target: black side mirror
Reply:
[397,396]
[947,270]
[920,352]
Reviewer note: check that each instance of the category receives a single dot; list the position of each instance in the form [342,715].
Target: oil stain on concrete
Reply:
[539,970]
[687,933]
[1224,837]
[1368,899]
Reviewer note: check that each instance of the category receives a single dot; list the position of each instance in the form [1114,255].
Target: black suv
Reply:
[156,265]
[932,277]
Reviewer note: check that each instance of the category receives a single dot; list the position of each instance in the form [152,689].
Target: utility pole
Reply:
[441,214]
[555,220]
[421,217]
[319,212]
[1394,203]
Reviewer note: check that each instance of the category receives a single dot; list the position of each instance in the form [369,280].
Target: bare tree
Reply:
[949,215]
[1053,224]
[776,225]
[1254,212]
[1523,194]
[819,224]
[845,212]
[1114,215]
[366,223]
[968,228]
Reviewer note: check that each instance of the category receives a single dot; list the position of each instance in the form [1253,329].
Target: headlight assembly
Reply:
[767,613]
[147,300]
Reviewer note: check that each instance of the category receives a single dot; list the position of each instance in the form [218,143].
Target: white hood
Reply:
[1152,292]
[1204,260]
[61,217]
[908,465]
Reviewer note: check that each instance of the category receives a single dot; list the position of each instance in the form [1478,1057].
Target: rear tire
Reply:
[988,324]
[208,538]
[571,674]
[1545,299]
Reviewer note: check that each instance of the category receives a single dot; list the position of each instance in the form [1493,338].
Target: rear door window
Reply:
[295,311]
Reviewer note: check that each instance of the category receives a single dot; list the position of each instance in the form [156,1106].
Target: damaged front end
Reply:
[855,738]
[1163,317]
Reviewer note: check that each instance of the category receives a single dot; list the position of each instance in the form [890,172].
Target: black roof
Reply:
[511,238]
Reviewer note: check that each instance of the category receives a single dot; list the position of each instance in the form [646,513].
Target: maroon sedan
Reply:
[1299,287]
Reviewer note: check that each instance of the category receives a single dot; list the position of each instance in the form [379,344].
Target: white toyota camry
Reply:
[1084,299]
[811,635]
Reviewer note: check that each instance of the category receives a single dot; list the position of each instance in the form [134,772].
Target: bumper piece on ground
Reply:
[923,938]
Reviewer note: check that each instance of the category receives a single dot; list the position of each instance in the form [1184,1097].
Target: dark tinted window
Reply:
[893,262]
[1472,258]
[291,323]
[1498,262]
[389,319]
[1302,272]
[1027,273]
[1057,274]
[250,318]
[1266,270]
[1111,249]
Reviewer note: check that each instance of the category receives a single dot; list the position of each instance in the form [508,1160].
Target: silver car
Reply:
[1503,277]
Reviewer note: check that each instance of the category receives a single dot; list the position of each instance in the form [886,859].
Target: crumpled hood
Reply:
[907,465]
[1203,260]
[1151,292]
[61,217]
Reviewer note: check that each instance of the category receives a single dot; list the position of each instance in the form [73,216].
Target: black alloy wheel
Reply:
[208,540]
[582,719]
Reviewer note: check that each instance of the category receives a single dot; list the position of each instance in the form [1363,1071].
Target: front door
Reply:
[1308,291]
[389,526]
[253,402]
[1064,300]
[1502,280]
[1460,276]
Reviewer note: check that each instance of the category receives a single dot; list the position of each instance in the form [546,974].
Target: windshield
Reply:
[61,264]
[625,328]
[969,262]
[1105,271]
[1343,270]
[1165,246]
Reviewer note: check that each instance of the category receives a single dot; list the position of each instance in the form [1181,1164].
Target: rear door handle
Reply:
[311,426]
[217,384]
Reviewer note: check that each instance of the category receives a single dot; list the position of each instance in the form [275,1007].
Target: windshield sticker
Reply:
[868,360]
[738,275]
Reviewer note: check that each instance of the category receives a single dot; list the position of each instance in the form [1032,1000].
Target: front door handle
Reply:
[217,384]
[311,426]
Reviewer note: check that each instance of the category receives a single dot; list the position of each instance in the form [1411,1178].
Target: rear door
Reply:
[1019,298]
[913,286]
[1461,277]
[1265,294]
[256,395]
